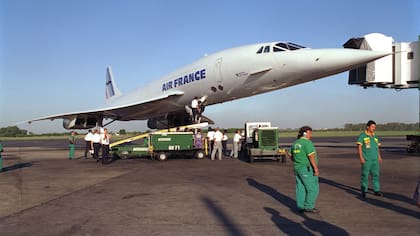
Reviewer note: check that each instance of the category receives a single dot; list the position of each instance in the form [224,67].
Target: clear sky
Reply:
[53,55]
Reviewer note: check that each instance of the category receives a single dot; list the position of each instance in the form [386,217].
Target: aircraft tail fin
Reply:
[111,89]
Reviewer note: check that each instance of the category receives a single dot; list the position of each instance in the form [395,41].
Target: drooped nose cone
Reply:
[332,61]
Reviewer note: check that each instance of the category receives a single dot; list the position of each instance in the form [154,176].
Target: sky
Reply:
[53,56]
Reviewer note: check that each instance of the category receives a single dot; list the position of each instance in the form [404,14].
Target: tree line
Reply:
[14,131]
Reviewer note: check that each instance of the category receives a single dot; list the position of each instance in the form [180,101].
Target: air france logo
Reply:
[186,79]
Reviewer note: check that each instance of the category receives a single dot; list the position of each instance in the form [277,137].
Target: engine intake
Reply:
[170,121]
[81,122]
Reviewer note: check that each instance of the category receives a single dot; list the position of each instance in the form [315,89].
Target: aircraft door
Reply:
[218,70]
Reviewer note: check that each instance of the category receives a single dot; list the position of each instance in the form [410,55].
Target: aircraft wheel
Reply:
[199,154]
[161,156]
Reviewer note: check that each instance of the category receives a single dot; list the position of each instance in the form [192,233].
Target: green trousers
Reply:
[71,153]
[370,167]
[307,188]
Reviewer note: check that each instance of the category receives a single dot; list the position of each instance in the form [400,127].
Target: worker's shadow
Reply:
[376,200]
[18,166]
[293,228]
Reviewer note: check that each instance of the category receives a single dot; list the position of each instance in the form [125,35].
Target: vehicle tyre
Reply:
[199,154]
[124,156]
[161,156]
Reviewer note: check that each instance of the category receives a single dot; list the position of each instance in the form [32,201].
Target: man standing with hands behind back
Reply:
[370,158]
[305,163]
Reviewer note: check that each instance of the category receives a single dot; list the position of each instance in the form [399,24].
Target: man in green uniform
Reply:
[72,141]
[370,158]
[305,163]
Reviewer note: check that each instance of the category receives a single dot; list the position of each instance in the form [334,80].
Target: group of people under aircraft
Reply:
[217,142]
[95,141]
[302,153]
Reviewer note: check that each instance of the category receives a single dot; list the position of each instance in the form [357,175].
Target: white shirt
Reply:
[194,103]
[105,140]
[88,137]
[218,136]
[96,138]
[210,135]
[225,137]
[236,138]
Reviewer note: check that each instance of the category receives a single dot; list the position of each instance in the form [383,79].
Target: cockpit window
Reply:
[286,46]
[279,47]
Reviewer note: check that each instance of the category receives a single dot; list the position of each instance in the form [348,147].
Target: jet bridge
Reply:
[400,70]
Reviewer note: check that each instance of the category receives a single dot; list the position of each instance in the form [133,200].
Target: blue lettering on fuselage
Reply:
[186,79]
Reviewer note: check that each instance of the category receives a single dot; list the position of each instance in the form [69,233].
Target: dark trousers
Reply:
[96,148]
[224,147]
[105,152]
[194,115]
[87,148]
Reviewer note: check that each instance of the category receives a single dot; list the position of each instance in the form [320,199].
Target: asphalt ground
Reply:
[44,193]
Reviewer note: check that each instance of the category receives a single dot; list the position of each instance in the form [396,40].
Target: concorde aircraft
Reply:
[220,77]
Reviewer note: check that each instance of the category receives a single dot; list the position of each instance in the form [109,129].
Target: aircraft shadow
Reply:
[293,228]
[227,222]
[375,201]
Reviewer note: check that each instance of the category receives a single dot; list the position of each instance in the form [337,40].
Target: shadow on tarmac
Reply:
[18,166]
[375,201]
[222,217]
[324,228]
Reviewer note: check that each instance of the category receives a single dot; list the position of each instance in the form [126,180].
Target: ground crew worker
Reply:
[305,163]
[236,142]
[105,137]
[210,140]
[72,141]
[1,159]
[194,107]
[217,138]
[96,144]
[370,158]
[224,143]
[88,139]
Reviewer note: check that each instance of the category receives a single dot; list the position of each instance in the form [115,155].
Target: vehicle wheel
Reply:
[199,154]
[161,156]
[124,156]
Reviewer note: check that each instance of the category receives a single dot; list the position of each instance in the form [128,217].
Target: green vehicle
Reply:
[262,142]
[160,146]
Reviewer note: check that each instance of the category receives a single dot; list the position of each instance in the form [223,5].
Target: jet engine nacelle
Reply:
[170,121]
[80,122]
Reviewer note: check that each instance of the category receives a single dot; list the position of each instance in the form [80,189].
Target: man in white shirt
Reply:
[96,144]
[88,139]
[210,140]
[236,142]
[217,137]
[194,107]
[105,137]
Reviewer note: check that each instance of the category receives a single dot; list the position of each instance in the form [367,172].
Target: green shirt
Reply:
[301,150]
[72,139]
[370,146]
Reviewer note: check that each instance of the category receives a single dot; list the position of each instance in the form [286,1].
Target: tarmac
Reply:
[44,193]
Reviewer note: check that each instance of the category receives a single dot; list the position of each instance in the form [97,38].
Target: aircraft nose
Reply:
[332,61]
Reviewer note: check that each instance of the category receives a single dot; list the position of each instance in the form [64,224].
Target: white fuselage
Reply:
[242,72]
